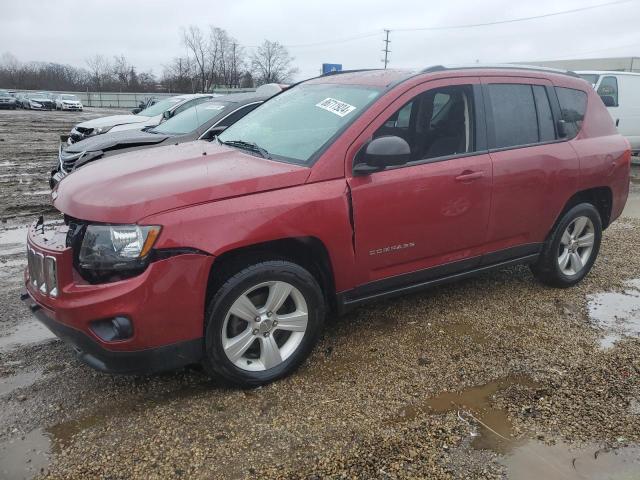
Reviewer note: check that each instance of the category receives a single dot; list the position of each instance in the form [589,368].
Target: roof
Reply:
[385,78]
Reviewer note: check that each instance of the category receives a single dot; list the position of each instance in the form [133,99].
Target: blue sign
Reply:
[331,67]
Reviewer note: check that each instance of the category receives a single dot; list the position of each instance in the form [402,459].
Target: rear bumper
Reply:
[152,360]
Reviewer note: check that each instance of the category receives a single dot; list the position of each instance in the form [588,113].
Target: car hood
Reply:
[113,120]
[134,185]
[115,140]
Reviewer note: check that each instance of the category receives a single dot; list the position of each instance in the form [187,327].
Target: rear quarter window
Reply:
[573,106]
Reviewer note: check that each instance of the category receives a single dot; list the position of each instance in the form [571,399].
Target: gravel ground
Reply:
[487,378]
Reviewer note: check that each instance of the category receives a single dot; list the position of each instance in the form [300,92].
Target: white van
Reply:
[620,92]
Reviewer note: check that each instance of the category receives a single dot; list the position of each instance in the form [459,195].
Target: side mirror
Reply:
[608,100]
[213,132]
[380,153]
[136,110]
[562,129]
[167,114]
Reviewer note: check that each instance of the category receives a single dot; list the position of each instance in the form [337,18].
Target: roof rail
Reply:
[506,66]
[339,72]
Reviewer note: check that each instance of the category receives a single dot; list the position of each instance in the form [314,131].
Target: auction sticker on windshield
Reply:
[336,106]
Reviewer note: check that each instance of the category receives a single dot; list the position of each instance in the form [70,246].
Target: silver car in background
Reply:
[66,101]
[149,117]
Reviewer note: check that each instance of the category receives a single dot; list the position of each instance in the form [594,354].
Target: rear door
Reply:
[533,169]
[433,211]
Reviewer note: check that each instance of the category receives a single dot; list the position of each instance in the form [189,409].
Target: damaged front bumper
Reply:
[162,309]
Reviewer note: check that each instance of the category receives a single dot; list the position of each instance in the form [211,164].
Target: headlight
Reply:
[35,104]
[100,130]
[107,249]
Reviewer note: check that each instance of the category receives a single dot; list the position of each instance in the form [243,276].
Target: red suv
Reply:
[343,189]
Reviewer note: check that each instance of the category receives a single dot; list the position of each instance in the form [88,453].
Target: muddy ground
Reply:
[494,377]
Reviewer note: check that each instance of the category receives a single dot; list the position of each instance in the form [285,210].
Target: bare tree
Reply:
[100,70]
[178,76]
[271,63]
[199,50]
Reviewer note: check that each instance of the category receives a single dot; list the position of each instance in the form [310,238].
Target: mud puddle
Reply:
[526,459]
[24,456]
[535,461]
[473,406]
[26,333]
[616,313]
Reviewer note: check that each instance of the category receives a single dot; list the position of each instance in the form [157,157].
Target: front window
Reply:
[160,107]
[295,125]
[69,97]
[191,119]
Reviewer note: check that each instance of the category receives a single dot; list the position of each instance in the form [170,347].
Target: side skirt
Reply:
[350,299]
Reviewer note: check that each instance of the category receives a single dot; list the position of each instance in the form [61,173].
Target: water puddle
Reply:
[13,241]
[474,407]
[13,382]
[527,459]
[535,461]
[25,456]
[632,208]
[616,313]
[27,333]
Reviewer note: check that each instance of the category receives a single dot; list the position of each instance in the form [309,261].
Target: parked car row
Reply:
[230,249]
[41,101]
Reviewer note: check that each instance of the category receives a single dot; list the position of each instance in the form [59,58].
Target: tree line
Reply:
[212,58]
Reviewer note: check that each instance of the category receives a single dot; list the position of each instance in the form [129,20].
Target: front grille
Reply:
[43,272]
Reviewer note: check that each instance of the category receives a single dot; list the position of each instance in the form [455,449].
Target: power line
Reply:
[454,27]
[386,49]
[513,20]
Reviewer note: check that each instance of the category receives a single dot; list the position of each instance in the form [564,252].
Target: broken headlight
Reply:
[100,130]
[111,252]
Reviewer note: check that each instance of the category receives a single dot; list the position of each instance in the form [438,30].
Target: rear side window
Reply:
[514,115]
[609,87]
[546,130]
[573,106]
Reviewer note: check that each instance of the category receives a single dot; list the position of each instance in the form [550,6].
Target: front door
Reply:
[434,210]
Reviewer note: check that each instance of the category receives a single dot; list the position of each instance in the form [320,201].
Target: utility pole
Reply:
[386,48]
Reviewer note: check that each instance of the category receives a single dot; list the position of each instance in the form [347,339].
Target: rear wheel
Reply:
[572,248]
[262,323]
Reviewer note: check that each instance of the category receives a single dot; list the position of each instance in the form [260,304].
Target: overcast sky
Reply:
[148,32]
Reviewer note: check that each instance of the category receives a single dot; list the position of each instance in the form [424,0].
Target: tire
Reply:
[255,362]
[571,249]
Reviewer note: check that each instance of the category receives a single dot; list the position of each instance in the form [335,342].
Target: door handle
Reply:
[469,176]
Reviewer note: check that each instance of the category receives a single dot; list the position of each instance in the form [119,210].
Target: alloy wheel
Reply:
[264,326]
[576,246]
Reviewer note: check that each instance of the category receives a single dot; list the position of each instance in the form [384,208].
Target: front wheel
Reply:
[571,249]
[263,323]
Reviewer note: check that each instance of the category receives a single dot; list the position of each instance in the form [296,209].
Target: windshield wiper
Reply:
[252,147]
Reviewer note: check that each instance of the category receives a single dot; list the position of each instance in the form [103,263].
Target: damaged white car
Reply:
[149,117]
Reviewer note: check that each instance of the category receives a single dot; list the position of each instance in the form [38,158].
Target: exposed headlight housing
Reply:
[113,252]
[100,130]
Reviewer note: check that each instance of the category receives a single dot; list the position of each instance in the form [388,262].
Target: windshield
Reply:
[68,97]
[296,124]
[191,118]
[592,78]
[160,107]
